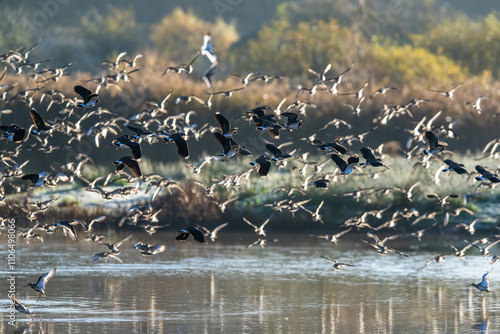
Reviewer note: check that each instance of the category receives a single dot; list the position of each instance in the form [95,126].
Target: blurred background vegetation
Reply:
[285,37]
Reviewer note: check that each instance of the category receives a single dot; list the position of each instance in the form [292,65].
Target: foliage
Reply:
[116,32]
[473,44]
[14,30]
[287,50]
[180,35]
[407,64]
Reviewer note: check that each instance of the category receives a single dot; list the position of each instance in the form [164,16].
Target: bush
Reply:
[408,64]
[285,50]
[180,34]
[112,34]
[473,44]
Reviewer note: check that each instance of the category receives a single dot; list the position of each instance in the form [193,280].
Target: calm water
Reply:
[282,288]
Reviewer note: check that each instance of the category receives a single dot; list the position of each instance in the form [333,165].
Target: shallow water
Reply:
[223,287]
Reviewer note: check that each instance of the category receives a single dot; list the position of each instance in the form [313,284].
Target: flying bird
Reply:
[264,165]
[346,168]
[193,230]
[484,285]
[434,145]
[370,158]
[89,99]
[130,163]
[13,133]
[39,286]
[40,126]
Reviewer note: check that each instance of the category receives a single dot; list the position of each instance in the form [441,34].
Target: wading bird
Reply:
[39,286]
[484,285]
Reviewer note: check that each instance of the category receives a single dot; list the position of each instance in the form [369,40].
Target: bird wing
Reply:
[273,149]
[339,161]
[182,146]
[249,223]
[432,139]
[218,228]
[43,279]
[197,234]
[82,91]
[223,122]
[37,119]
[119,243]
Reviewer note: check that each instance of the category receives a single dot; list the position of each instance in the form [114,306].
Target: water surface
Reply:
[284,287]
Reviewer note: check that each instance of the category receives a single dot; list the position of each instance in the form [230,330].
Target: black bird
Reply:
[278,154]
[39,286]
[453,166]
[485,175]
[264,165]
[195,231]
[292,121]
[40,126]
[130,163]
[322,183]
[125,141]
[180,142]
[224,125]
[434,145]
[336,146]
[230,146]
[37,180]
[139,133]
[370,158]
[89,99]
[346,168]
[13,133]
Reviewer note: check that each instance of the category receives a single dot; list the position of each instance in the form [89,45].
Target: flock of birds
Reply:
[157,125]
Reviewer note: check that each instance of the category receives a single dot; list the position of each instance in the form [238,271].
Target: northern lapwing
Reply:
[370,158]
[40,126]
[126,141]
[180,142]
[193,230]
[486,175]
[226,129]
[348,167]
[455,167]
[37,180]
[130,163]
[13,133]
[264,165]
[434,145]
[89,99]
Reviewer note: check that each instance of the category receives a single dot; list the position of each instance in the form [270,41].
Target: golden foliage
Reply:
[473,44]
[283,49]
[408,64]
[180,34]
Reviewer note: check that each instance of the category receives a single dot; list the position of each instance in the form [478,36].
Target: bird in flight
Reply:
[39,286]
